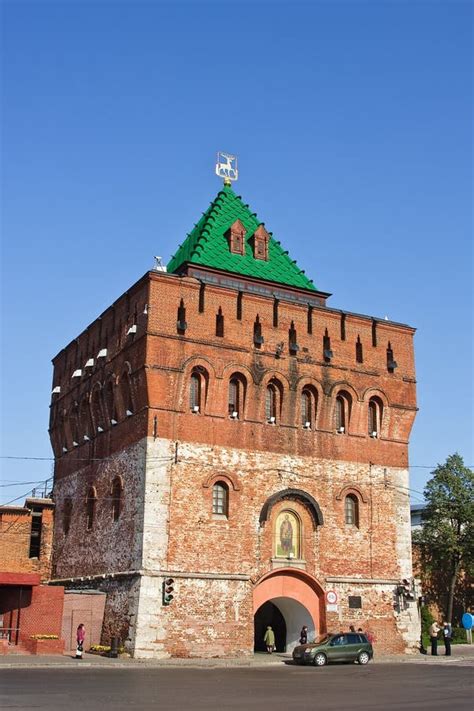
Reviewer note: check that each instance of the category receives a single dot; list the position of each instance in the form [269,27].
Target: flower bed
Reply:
[44,644]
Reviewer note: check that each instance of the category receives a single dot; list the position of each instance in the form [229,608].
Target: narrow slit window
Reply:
[309,326]
[181,324]
[90,508]
[116,498]
[374,333]
[327,352]
[67,515]
[239,306]
[343,327]
[359,352]
[391,362]
[292,340]
[275,312]
[219,323]
[202,294]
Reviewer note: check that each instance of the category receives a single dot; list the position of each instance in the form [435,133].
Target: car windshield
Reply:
[320,639]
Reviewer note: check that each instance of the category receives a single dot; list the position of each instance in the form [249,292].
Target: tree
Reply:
[446,538]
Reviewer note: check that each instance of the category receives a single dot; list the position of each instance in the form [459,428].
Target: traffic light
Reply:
[168,588]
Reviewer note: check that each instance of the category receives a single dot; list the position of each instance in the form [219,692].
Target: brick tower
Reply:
[221,428]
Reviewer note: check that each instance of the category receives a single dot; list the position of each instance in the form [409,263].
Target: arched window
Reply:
[85,418]
[67,514]
[351,509]
[343,412]
[110,402]
[91,501]
[273,401]
[287,535]
[375,413]
[117,491]
[97,410]
[220,498]
[74,424]
[308,407]
[126,391]
[236,396]
[195,392]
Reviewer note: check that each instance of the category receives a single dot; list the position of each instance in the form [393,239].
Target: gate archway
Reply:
[298,599]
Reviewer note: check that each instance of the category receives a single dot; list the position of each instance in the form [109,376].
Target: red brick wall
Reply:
[15,528]
[86,609]
[35,610]
[167,521]
[44,614]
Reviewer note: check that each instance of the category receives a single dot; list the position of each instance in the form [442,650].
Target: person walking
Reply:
[304,635]
[434,631]
[269,639]
[447,636]
[80,637]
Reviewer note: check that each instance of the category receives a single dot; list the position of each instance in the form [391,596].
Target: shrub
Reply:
[427,620]
[104,649]
[459,635]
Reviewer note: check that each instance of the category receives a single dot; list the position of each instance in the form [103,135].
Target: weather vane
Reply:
[226,167]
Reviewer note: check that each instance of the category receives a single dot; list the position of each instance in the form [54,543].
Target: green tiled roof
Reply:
[207,245]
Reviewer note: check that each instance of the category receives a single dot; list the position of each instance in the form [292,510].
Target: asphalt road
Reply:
[335,688]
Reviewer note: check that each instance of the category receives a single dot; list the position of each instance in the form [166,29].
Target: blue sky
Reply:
[353,127]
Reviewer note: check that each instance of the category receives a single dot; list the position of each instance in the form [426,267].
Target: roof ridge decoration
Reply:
[207,245]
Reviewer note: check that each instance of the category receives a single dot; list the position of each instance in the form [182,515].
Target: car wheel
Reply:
[320,659]
[363,658]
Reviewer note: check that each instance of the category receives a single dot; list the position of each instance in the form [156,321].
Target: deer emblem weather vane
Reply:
[226,167]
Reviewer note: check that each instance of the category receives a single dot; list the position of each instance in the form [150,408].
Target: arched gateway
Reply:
[287,599]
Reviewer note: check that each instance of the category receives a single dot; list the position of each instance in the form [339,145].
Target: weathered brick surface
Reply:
[169,458]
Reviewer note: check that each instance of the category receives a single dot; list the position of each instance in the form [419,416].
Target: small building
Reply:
[28,608]
[232,452]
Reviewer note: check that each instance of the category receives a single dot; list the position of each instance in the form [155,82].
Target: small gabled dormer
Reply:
[260,240]
[236,238]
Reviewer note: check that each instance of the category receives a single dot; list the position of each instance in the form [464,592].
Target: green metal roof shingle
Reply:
[207,245]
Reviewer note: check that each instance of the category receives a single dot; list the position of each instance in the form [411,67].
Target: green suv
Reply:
[343,647]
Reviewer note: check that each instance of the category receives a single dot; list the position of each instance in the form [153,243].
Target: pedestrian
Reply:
[304,635]
[352,628]
[80,637]
[269,639]
[434,631]
[447,636]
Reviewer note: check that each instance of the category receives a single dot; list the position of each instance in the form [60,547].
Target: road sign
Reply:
[331,597]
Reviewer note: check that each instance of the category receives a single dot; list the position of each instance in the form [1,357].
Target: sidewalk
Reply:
[460,653]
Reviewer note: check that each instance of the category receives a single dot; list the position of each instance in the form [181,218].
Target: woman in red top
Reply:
[80,637]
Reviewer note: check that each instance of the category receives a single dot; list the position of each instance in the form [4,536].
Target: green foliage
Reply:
[446,539]
[427,619]
[459,635]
